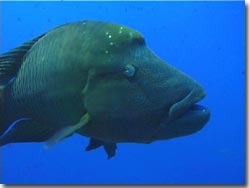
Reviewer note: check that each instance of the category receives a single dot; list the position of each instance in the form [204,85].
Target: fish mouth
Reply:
[194,119]
[190,122]
[194,111]
[185,117]
[188,105]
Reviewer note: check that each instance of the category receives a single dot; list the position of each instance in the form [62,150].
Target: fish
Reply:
[98,80]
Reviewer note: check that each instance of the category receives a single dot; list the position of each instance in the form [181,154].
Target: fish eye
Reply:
[129,70]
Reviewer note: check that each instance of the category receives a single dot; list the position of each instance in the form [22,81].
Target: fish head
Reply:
[132,95]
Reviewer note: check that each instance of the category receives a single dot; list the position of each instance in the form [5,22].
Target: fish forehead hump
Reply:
[95,42]
[101,42]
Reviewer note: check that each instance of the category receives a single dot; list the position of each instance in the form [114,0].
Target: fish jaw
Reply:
[190,122]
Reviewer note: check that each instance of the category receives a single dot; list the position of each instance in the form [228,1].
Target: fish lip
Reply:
[192,121]
[188,123]
[195,110]
[187,103]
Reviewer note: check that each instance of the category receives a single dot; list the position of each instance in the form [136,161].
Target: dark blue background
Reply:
[204,39]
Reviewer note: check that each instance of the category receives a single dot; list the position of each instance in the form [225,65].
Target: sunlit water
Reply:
[203,39]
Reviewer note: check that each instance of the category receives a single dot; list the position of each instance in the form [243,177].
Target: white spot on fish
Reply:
[110,36]
[130,35]
[106,52]
[111,43]
[107,33]
[120,31]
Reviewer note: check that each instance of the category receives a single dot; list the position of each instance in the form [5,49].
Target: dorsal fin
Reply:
[11,61]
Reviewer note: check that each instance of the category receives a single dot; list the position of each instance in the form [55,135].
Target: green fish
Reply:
[99,80]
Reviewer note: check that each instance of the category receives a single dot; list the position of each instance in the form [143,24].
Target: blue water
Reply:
[204,39]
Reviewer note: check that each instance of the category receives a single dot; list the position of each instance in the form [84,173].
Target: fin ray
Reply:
[67,131]
[10,62]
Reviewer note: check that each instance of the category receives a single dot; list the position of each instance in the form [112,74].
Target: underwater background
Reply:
[204,39]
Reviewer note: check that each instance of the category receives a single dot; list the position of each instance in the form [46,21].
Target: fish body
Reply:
[98,80]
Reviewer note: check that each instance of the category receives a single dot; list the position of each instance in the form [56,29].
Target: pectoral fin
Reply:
[67,131]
